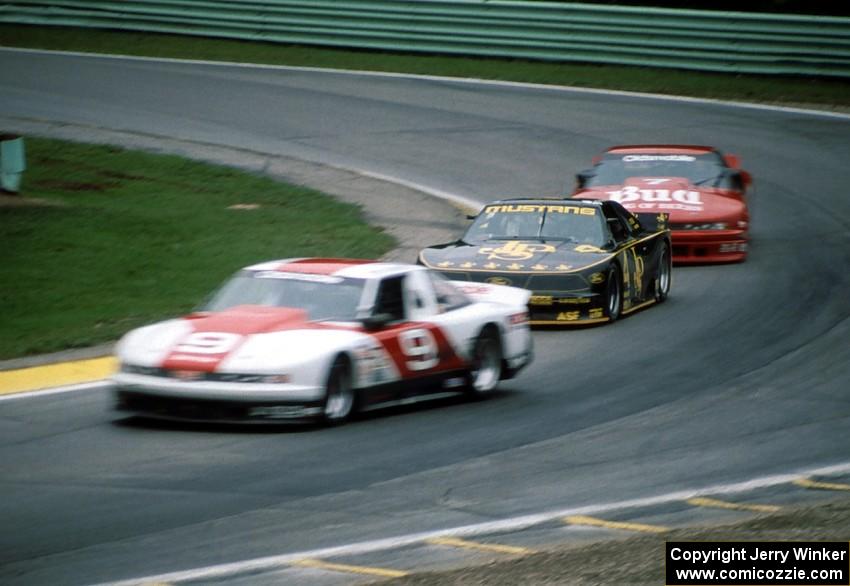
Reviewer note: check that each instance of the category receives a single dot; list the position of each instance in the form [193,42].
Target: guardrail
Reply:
[736,42]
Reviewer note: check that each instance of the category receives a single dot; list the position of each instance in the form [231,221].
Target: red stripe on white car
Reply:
[216,336]
[321,266]
[419,349]
[416,348]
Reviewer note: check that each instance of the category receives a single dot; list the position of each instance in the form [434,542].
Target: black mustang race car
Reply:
[584,261]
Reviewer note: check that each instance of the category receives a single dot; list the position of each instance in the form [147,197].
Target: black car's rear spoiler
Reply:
[653,222]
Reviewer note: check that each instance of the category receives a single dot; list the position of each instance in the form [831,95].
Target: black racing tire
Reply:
[665,274]
[613,293]
[340,398]
[486,358]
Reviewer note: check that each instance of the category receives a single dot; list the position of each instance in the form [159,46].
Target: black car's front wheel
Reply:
[339,395]
[665,274]
[613,293]
[486,361]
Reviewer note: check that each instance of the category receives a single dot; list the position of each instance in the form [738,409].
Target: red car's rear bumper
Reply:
[709,246]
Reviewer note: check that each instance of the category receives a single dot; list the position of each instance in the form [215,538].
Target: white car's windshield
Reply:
[706,169]
[323,297]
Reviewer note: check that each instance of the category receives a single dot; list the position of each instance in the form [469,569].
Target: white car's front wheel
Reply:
[339,396]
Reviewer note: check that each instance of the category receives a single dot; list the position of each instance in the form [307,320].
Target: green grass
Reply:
[768,89]
[130,237]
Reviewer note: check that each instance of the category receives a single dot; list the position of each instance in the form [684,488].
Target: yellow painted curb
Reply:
[718,504]
[809,483]
[492,547]
[56,375]
[349,569]
[594,522]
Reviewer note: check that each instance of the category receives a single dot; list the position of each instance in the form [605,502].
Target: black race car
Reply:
[585,262]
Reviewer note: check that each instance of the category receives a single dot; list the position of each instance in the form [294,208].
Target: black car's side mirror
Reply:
[377,321]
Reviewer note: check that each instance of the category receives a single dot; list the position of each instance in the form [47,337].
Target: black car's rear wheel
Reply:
[486,358]
[339,395]
[613,293]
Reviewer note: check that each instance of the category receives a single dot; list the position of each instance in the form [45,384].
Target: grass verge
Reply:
[812,92]
[106,239]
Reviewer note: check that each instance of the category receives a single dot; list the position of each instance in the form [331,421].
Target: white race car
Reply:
[320,339]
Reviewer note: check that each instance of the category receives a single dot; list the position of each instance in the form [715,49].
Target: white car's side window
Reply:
[390,299]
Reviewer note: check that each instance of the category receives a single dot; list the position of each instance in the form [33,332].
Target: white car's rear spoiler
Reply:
[495,293]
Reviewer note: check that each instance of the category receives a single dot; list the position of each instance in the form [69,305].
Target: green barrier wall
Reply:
[690,39]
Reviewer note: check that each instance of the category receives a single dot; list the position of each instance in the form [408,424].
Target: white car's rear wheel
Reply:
[339,396]
[486,363]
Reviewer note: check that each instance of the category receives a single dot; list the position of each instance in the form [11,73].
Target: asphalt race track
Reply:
[743,373]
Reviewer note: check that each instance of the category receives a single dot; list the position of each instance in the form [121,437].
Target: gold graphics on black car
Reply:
[585,262]
[498,281]
[515,250]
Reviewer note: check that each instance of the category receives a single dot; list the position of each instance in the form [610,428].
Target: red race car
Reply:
[703,191]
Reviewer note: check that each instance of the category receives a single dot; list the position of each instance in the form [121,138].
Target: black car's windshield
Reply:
[547,221]
[323,297]
[704,169]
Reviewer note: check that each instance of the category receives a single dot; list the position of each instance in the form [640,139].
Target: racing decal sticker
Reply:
[499,281]
[549,300]
[587,248]
[202,351]
[548,208]
[569,316]
[515,251]
[633,271]
[374,365]
[648,158]
[474,289]
[208,343]
[419,348]
[540,300]
[638,267]
[593,315]
[635,198]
